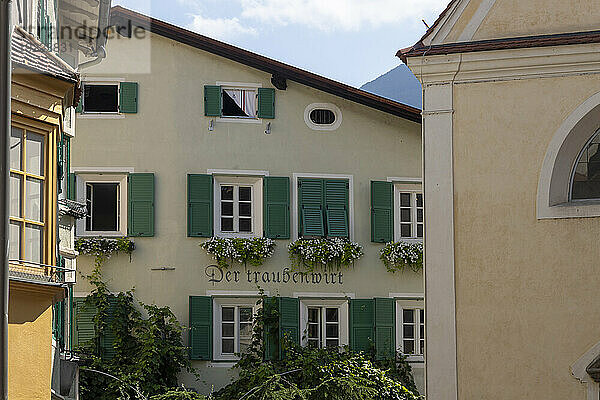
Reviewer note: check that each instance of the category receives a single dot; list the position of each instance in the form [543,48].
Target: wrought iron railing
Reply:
[40,273]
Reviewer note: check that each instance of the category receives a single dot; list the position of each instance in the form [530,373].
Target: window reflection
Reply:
[586,177]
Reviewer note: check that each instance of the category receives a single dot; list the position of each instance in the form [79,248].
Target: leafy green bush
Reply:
[147,351]
[314,374]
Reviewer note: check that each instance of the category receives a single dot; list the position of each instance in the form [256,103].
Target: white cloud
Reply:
[220,28]
[347,15]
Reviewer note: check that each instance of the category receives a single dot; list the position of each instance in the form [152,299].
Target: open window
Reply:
[109,98]
[105,197]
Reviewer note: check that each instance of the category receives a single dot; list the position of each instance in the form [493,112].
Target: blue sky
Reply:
[352,41]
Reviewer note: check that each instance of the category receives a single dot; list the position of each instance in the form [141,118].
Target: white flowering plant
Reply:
[400,255]
[324,253]
[253,251]
[104,248]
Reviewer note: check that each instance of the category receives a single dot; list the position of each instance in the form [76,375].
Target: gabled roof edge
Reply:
[276,68]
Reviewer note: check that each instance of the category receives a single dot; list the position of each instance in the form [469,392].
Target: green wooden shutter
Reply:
[200,337]
[200,205]
[71,186]
[140,213]
[310,203]
[84,321]
[362,324]
[212,101]
[271,330]
[128,97]
[382,212]
[385,328]
[108,338]
[276,193]
[289,320]
[266,103]
[336,207]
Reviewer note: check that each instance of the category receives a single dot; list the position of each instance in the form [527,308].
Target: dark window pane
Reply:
[408,316]
[104,206]
[227,330]
[322,116]
[419,200]
[408,331]
[226,192]
[245,193]
[313,330]
[405,200]
[332,343]
[420,215]
[228,346]
[245,225]
[245,314]
[227,208]
[419,231]
[586,177]
[227,313]
[405,215]
[245,210]
[422,347]
[226,224]
[100,98]
[238,107]
[313,343]
[331,315]
[405,230]
[409,347]
[313,315]
[332,330]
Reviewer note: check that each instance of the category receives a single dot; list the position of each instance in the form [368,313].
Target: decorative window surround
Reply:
[237,172]
[414,190]
[121,179]
[324,295]
[407,296]
[326,106]
[343,317]
[561,155]
[395,179]
[417,306]
[295,219]
[236,304]
[255,182]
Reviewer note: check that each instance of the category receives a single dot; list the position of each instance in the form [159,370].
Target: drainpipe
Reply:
[103,22]
[5,81]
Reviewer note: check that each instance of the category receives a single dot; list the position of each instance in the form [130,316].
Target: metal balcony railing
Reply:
[40,273]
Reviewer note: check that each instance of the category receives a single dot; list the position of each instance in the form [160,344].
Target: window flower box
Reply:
[245,251]
[324,253]
[398,256]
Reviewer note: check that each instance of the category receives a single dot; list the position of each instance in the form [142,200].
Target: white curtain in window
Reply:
[245,99]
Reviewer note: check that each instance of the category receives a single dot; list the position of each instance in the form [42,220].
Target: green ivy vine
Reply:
[103,248]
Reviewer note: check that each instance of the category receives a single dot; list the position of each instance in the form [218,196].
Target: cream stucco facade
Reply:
[510,271]
[170,137]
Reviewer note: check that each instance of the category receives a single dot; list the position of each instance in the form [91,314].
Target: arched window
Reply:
[585,179]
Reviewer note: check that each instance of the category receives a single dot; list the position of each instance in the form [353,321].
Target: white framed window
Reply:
[105,196]
[233,324]
[239,102]
[100,98]
[410,328]
[409,211]
[238,206]
[323,116]
[324,323]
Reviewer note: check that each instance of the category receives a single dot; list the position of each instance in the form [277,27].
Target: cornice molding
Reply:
[525,63]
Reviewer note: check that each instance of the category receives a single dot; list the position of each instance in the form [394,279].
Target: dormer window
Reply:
[585,183]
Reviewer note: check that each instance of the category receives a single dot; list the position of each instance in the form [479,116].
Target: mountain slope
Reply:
[398,84]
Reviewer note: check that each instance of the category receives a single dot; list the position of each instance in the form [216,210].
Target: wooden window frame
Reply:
[236,303]
[414,190]
[415,305]
[50,134]
[256,183]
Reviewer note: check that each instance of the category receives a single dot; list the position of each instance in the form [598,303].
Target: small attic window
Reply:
[322,116]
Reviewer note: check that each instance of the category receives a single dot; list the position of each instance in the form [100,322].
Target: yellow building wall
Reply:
[511,18]
[526,289]
[29,343]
